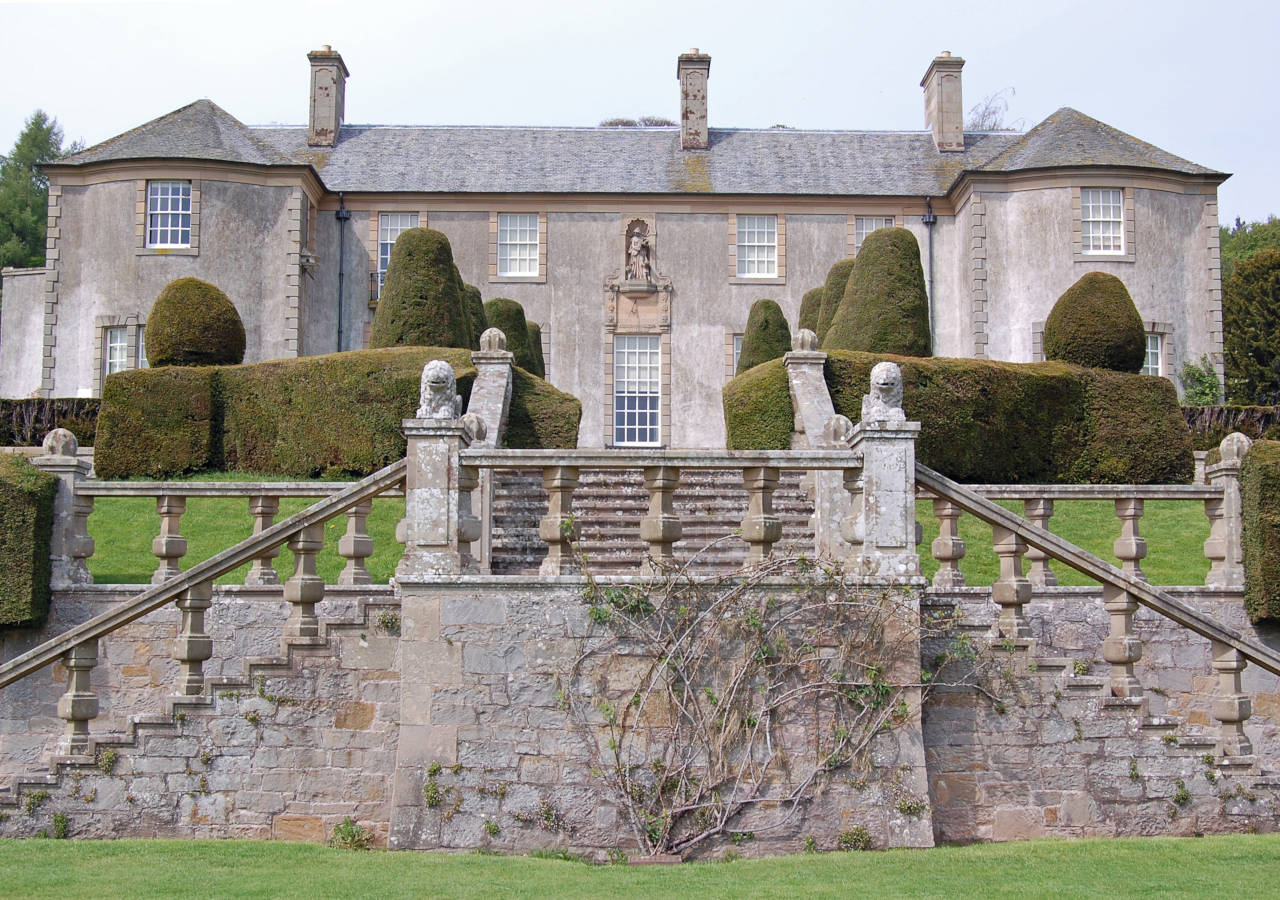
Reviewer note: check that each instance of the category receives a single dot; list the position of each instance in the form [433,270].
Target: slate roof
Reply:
[445,159]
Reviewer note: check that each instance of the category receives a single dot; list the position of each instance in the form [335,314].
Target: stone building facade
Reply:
[295,225]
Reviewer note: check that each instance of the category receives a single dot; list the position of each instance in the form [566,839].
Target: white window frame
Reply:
[390,227]
[1102,225]
[864,225]
[142,348]
[169,209]
[519,245]
[637,390]
[757,246]
[115,349]
[1154,356]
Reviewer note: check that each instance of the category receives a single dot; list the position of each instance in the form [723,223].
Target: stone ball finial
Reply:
[60,442]
[1234,446]
[493,339]
[838,431]
[475,425]
[804,340]
[884,403]
[438,392]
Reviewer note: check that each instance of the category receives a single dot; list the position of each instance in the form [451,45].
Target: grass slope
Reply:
[1247,865]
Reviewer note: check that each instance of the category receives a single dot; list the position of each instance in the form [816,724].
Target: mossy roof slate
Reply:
[482,159]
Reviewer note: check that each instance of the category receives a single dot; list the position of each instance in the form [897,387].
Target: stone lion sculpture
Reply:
[438,393]
[884,403]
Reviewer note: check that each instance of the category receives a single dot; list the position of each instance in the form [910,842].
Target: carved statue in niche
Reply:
[639,252]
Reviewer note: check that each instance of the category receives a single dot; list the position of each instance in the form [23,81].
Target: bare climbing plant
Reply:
[714,704]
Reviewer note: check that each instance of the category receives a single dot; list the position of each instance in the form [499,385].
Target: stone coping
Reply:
[1090,491]
[639,458]
[92,488]
[1194,592]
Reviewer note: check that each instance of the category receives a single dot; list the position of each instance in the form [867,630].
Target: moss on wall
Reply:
[885,308]
[986,421]
[26,526]
[1260,489]
[767,336]
[157,423]
[1096,324]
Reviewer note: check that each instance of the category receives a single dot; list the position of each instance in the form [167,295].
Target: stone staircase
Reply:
[609,505]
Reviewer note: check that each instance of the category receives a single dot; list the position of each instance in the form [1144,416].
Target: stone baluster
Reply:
[1130,548]
[468,522]
[1012,590]
[193,646]
[661,527]
[305,588]
[263,509]
[558,527]
[948,547]
[1122,648]
[852,527]
[356,546]
[1039,512]
[170,546]
[1231,707]
[760,528]
[1224,548]
[69,545]
[79,704]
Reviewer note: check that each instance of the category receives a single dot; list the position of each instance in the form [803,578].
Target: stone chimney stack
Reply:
[328,93]
[693,69]
[943,102]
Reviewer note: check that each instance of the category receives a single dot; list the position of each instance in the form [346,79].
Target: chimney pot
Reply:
[693,69]
[944,102]
[328,96]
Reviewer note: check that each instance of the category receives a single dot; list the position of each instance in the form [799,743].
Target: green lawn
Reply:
[123,528]
[1242,865]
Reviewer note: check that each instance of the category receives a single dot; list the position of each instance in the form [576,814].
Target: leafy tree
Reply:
[24,190]
[1200,383]
[1243,239]
[1251,329]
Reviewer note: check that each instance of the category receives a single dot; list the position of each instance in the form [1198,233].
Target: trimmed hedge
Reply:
[535,345]
[336,415]
[473,306]
[885,308]
[192,323]
[26,526]
[986,421]
[508,317]
[811,309]
[1210,424]
[421,302]
[833,294]
[767,336]
[1096,324]
[1260,489]
[156,423]
[24,423]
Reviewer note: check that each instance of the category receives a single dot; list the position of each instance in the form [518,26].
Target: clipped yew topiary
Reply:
[26,525]
[508,317]
[421,303]
[473,306]
[885,308]
[832,295]
[535,345]
[766,336]
[540,415]
[1260,496]
[994,422]
[1095,324]
[810,309]
[157,423]
[192,323]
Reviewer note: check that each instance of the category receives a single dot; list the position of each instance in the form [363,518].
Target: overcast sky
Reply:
[1193,78]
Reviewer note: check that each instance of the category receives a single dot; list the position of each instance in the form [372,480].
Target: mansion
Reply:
[295,225]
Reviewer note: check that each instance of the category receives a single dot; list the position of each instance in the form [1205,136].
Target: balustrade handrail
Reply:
[970,501]
[1090,491]
[95,488]
[233,557]
[641,458]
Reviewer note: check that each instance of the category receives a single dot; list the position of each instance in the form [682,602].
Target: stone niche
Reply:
[638,298]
